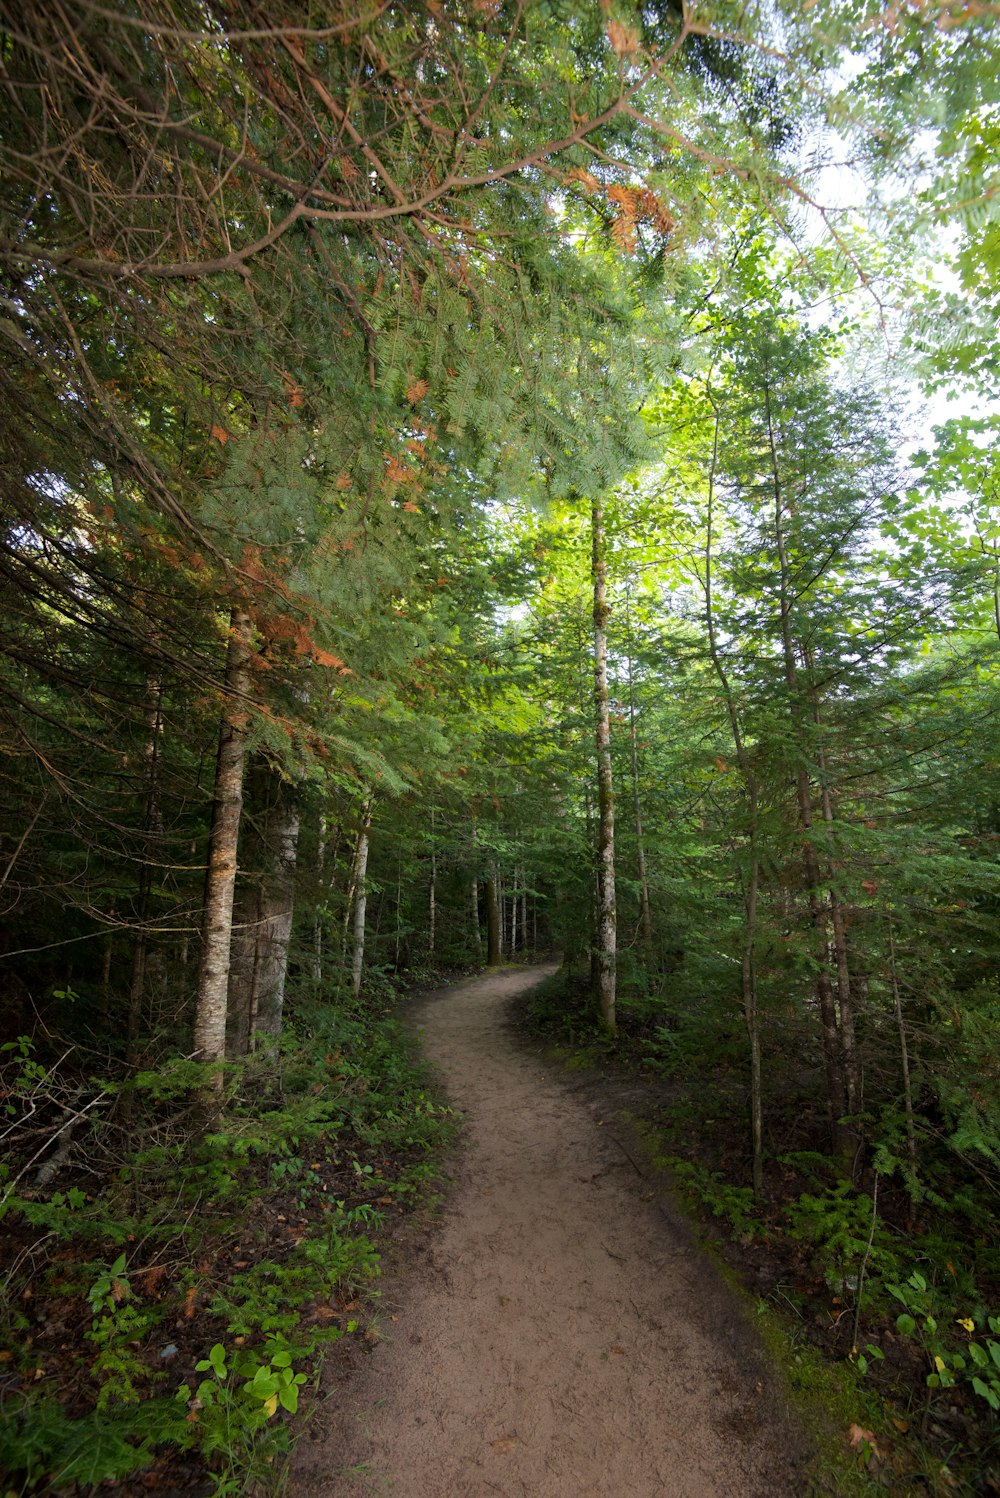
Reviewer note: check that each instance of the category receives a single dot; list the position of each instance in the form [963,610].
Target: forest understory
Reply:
[166,1298]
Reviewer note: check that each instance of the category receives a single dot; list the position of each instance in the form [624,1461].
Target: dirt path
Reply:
[562,1337]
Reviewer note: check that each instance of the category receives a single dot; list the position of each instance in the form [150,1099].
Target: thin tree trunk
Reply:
[494,949]
[244,951]
[645,916]
[502,908]
[524,910]
[432,896]
[513,917]
[904,1056]
[220,878]
[277,909]
[316,953]
[607,920]
[352,881]
[361,898]
[477,935]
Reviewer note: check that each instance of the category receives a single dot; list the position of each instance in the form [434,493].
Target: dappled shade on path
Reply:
[561,1337]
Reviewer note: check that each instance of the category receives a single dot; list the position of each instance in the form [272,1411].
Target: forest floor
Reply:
[559,1333]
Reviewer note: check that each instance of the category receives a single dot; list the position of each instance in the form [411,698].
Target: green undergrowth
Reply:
[883,1310]
[164,1314]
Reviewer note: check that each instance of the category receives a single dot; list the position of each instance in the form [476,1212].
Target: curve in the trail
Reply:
[562,1337]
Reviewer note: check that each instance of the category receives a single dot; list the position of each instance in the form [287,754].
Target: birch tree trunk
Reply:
[606,913]
[276,909]
[316,953]
[244,948]
[477,935]
[220,877]
[361,898]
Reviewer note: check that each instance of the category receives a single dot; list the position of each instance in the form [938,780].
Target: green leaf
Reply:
[986,1393]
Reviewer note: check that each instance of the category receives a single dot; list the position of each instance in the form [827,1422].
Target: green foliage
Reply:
[48,1450]
[839,1225]
[734,1205]
[929,1320]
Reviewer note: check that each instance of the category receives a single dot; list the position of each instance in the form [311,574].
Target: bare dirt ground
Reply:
[559,1334]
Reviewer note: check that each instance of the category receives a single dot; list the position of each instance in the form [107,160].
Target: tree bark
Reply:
[432,895]
[361,898]
[606,914]
[220,878]
[316,952]
[493,948]
[477,935]
[276,909]
[243,947]
[645,916]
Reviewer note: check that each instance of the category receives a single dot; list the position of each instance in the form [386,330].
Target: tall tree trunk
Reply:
[361,898]
[606,919]
[220,877]
[494,951]
[352,879]
[244,951]
[477,935]
[645,916]
[513,916]
[524,910]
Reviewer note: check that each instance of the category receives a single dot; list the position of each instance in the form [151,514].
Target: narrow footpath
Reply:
[560,1336]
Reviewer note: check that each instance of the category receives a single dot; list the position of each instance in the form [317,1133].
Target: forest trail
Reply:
[561,1336]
